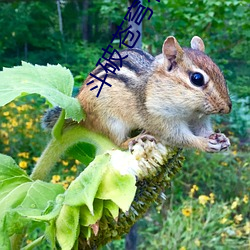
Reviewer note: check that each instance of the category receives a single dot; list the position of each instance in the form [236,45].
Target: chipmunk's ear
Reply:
[197,43]
[172,50]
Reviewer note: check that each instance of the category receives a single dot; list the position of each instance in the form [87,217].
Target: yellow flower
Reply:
[238,218]
[223,235]
[211,195]
[24,154]
[65,163]
[35,159]
[203,199]
[224,164]
[182,248]
[187,211]
[238,233]
[23,164]
[55,178]
[6,113]
[235,203]
[65,185]
[29,124]
[247,227]
[234,152]
[14,123]
[197,242]
[245,199]
[223,221]
[73,168]
[77,162]
[193,190]
[70,178]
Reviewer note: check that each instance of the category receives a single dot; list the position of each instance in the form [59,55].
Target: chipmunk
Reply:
[170,96]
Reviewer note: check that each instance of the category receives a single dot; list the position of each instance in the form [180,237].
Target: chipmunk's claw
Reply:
[218,142]
[141,139]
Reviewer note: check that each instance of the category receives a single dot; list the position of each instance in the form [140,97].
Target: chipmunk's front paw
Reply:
[141,139]
[218,142]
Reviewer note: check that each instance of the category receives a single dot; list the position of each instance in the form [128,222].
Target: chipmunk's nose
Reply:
[227,108]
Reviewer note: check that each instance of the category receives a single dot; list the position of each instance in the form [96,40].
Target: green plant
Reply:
[103,202]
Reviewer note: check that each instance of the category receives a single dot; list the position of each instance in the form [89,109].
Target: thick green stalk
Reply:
[57,146]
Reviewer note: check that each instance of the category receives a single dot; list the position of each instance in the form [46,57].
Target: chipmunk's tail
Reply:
[50,117]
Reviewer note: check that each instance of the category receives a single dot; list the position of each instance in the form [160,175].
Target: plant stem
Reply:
[57,147]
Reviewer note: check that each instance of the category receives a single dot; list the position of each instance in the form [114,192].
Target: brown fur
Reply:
[156,95]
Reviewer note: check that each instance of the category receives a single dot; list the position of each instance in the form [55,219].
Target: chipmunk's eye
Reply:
[197,79]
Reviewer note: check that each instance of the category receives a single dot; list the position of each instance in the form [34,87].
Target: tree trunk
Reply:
[135,27]
[85,31]
[59,16]
[131,238]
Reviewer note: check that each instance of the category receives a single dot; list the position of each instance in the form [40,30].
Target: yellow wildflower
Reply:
[247,227]
[55,178]
[65,163]
[223,235]
[187,211]
[73,168]
[24,155]
[193,190]
[203,199]
[197,242]
[182,248]
[238,218]
[238,233]
[224,164]
[223,220]
[35,159]
[245,199]
[14,123]
[234,152]
[6,113]
[65,185]
[235,203]
[23,164]
[12,105]
[70,178]
[211,195]
[77,162]
[29,124]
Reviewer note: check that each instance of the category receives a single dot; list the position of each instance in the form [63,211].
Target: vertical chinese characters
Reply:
[113,63]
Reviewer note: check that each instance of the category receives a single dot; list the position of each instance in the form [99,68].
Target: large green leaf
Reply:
[67,226]
[118,188]
[53,82]
[20,197]
[83,189]
[83,152]
[9,168]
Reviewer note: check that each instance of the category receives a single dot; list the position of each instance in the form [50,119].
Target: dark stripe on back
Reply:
[119,77]
[141,52]
[131,66]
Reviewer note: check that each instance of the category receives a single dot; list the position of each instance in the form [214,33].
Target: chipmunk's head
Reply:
[198,77]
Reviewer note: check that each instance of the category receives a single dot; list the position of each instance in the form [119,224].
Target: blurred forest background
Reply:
[208,204]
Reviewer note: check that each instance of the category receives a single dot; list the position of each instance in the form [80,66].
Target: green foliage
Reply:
[52,82]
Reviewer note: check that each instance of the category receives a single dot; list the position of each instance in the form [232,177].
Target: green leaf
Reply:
[34,243]
[118,188]
[83,189]
[53,82]
[86,218]
[9,184]
[58,127]
[83,152]
[9,168]
[67,226]
[39,194]
[112,208]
